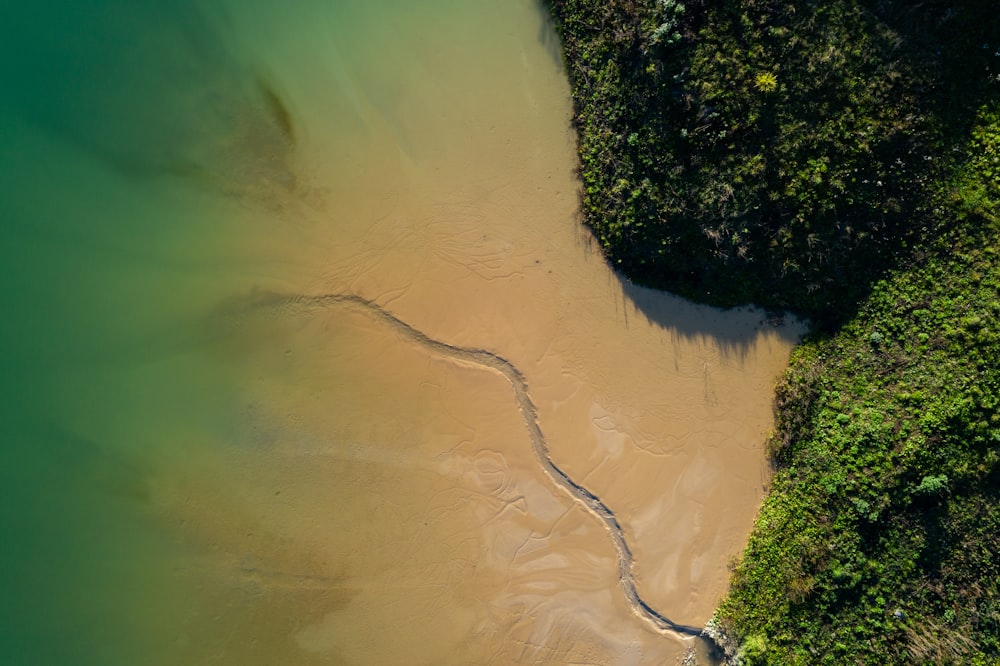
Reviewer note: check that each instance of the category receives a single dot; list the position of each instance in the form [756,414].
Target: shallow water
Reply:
[202,465]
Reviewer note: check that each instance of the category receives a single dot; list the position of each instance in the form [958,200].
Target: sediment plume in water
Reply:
[318,482]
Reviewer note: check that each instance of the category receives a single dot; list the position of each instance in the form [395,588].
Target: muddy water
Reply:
[337,333]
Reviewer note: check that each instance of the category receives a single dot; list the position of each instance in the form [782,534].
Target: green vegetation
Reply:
[881,534]
[761,150]
[840,159]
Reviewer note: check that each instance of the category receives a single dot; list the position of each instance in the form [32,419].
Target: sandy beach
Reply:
[315,485]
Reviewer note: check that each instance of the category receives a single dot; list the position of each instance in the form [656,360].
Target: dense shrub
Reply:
[840,158]
[763,150]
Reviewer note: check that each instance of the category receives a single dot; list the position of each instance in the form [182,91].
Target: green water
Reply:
[100,375]
[194,473]
[159,161]
[132,136]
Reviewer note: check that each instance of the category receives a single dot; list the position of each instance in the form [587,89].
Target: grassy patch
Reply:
[881,535]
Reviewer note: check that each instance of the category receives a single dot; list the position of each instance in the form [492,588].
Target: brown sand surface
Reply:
[378,501]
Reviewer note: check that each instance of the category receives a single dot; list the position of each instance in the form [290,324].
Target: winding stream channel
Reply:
[490,361]
[275,272]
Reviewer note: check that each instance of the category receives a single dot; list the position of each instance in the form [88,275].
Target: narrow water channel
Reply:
[307,358]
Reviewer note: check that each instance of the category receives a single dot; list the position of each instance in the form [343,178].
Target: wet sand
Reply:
[402,483]
[353,494]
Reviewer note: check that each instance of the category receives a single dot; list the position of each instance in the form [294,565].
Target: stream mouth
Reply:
[207,460]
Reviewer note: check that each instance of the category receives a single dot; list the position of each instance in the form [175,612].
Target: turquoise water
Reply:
[129,134]
[158,161]
[204,461]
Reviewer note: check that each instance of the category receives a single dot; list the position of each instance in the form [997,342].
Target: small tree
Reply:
[933,485]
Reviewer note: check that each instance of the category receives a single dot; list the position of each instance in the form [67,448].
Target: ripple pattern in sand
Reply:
[491,361]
